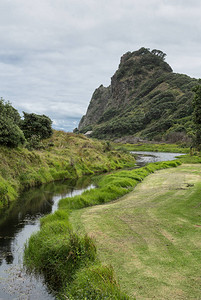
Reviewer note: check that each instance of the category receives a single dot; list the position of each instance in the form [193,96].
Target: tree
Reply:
[7,109]
[36,125]
[159,53]
[10,133]
[197,114]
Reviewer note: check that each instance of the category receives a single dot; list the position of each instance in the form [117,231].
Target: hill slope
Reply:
[145,99]
[63,156]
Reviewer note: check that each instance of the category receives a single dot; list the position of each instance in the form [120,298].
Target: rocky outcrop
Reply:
[145,99]
[97,106]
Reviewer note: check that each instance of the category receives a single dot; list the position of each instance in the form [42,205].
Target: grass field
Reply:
[151,236]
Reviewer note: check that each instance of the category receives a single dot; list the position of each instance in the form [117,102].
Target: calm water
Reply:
[22,218]
[145,157]
[17,223]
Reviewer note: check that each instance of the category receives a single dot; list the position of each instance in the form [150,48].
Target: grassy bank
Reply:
[162,147]
[151,236]
[63,156]
[69,258]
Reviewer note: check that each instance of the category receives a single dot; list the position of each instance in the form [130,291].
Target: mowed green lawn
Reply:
[152,236]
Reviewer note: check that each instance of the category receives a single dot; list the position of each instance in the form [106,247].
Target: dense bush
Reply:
[36,125]
[14,131]
[10,133]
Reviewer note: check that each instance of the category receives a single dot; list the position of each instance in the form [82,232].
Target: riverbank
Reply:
[63,156]
[160,147]
[68,258]
[151,236]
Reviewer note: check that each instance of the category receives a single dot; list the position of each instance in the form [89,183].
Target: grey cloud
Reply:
[55,53]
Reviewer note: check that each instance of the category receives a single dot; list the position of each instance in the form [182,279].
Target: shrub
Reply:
[36,125]
[10,133]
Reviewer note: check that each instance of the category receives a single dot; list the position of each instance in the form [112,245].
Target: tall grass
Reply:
[67,259]
[63,156]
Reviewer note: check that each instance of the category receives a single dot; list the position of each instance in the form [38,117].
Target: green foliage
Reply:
[36,125]
[34,142]
[162,147]
[108,114]
[6,109]
[68,260]
[58,252]
[113,186]
[95,283]
[193,158]
[14,131]
[197,114]
[145,99]
[10,133]
[63,156]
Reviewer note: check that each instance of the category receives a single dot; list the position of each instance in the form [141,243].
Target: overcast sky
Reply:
[54,53]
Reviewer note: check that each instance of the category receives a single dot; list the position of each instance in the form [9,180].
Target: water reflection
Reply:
[145,157]
[17,222]
[21,218]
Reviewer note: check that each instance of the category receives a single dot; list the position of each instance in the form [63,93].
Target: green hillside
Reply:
[146,99]
[62,156]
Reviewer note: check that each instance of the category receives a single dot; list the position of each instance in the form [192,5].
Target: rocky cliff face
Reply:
[145,99]
[96,107]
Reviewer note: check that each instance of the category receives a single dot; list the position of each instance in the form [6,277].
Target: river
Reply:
[22,218]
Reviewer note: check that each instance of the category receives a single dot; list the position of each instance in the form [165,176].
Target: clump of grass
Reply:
[57,252]
[96,282]
[7,191]
[58,215]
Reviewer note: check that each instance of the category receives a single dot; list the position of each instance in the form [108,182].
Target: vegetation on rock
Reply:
[197,115]
[145,99]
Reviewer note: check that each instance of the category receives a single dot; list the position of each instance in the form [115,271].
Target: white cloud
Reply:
[55,53]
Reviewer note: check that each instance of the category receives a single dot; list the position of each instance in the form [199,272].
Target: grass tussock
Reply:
[67,259]
[95,282]
[63,156]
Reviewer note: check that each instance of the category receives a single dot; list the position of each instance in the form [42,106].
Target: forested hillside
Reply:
[146,99]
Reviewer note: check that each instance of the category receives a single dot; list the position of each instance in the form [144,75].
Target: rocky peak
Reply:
[145,98]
